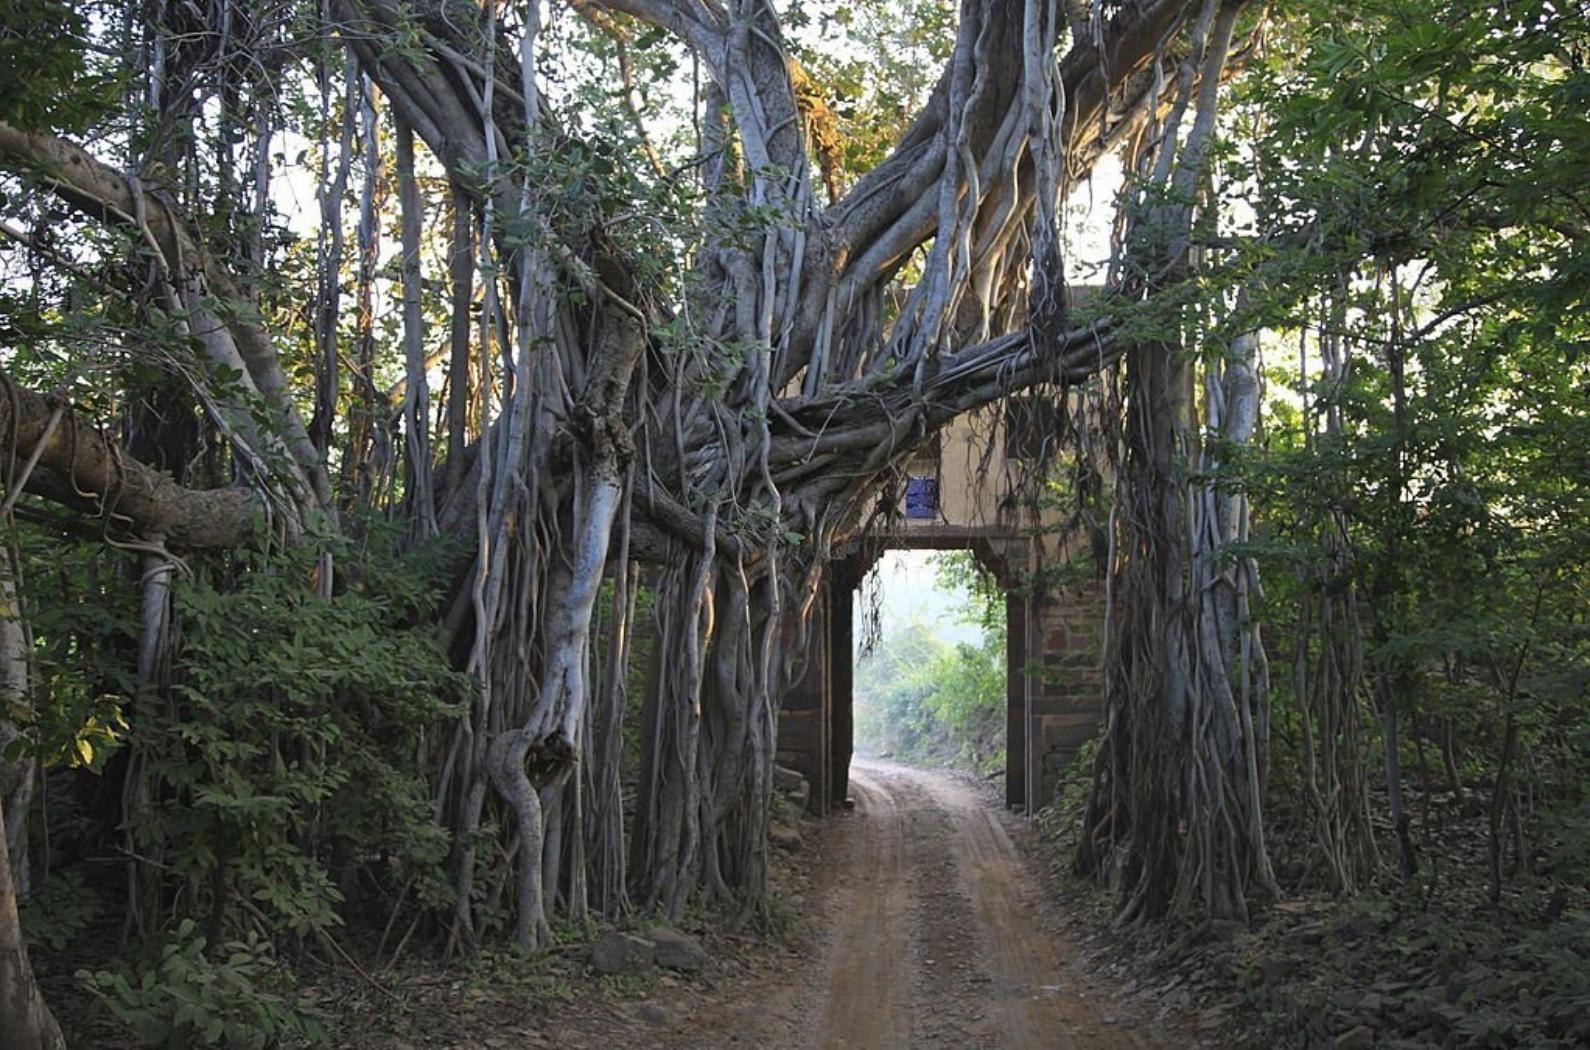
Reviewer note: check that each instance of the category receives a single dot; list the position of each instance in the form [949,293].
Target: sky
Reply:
[910,593]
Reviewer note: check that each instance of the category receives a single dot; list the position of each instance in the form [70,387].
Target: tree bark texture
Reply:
[1176,811]
[732,432]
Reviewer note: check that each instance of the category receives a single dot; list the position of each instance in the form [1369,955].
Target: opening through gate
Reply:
[929,674]
[817,722]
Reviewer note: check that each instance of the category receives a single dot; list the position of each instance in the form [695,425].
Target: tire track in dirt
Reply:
[864,1004]
[949,981]
[941,905]
[1042,1007]
[933,936]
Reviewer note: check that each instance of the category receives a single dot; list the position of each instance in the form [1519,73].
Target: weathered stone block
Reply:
[618,952]
[784,837]
[677,951]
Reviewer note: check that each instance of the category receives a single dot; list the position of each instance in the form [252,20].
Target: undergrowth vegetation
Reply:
[274,790]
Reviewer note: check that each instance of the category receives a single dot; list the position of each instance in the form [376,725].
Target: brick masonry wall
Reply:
[1065,687]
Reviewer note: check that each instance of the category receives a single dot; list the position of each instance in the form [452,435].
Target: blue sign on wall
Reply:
[922,498]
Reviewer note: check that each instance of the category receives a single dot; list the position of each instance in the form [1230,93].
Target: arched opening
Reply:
[817,721]
[929,664]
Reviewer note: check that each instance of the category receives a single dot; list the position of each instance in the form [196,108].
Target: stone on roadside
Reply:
[618,952]
[784,837]
[1360,1038]
[651,1013]
[786,780]
[677,951]
[792,786]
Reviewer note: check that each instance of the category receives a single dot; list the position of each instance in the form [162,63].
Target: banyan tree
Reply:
[616,368]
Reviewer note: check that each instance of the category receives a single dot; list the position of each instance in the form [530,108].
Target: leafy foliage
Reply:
[190,994]
[285,764]
[289,741]
[45,77]
[59,910]
[1445,253]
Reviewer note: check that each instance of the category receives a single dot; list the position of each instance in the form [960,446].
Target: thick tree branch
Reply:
[855,246]
[692,21]
[77,465]
[196,278]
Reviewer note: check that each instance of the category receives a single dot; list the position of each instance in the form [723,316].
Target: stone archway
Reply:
[1052,698]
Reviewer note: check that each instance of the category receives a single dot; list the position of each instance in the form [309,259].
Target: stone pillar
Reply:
[1067,703]
[805,715]
[1016,750]
[841,650]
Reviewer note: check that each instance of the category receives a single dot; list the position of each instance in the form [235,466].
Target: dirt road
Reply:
[936,937]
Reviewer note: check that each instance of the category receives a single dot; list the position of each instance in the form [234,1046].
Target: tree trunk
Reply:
[1407,856]
[16,774]
[25,1022]
[1177,803]
[461,274]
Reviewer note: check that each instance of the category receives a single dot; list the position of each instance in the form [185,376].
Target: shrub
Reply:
[236,995]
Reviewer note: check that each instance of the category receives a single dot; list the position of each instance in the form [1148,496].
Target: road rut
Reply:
[935,937]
